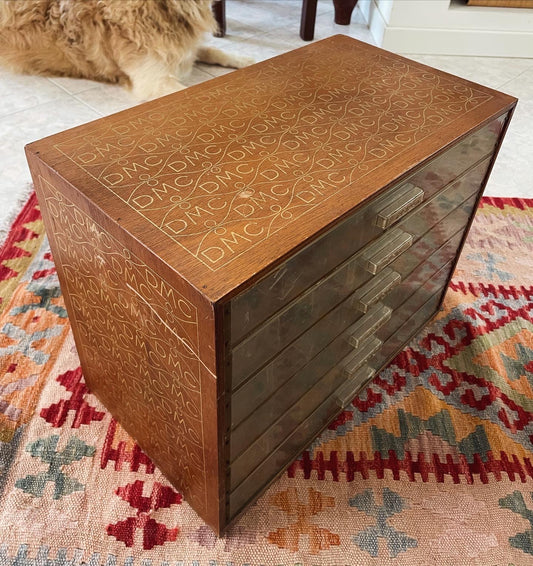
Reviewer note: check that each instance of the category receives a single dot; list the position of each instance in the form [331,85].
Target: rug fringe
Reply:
[11,216]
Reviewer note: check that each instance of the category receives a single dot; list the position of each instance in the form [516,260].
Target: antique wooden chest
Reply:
[238,259]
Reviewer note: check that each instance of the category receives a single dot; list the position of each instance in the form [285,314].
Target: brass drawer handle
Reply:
[407,198]
[352,362]
[348,390]
[386,249]
[375,289]
[375,318]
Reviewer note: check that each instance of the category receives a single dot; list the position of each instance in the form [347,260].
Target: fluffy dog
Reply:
[146,45]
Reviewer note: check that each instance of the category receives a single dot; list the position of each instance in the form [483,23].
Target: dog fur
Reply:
[146,45]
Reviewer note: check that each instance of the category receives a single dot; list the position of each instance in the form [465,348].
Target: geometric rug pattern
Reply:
[431,464]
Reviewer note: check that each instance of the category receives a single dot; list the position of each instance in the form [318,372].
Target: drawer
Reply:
[430,248]
[459,158]
[269,423]
[292,321]
[431,288]
[261,385]
[245,436]
[293,277]
[314,262]
[407,330]
[405,323]
[284,454]
[299,411]
[419,223]
[268,379]
[332,393]
[398,333]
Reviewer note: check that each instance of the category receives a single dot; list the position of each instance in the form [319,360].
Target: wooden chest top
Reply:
[225,179]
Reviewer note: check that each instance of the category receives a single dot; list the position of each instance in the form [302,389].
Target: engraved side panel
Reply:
[138,339]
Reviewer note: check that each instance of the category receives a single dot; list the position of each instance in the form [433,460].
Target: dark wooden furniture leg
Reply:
[343,11]
[307,23]
[219,11]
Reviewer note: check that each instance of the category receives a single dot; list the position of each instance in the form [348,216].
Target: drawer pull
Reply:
[386,249]
[356,359]
[348,390]
[375,289]
[375,318]
[404,201]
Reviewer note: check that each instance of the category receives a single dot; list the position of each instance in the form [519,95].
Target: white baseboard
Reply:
[458,42]
[374,18]
[438,27]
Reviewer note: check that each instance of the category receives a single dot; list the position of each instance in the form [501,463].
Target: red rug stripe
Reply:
[501,202]
[19,233]
[333,467]
[478,289]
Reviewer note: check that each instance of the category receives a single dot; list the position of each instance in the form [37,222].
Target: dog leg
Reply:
[150,77]
[214,56]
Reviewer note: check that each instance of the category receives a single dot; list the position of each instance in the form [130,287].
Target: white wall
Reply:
[449,28]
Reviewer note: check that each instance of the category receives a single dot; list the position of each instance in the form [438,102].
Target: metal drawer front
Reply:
[270,422]
[373,291]
[354,361]
[349,389]
[271,439]
[428,250]
[364,327]
[403,201]
[305,430]
[386,249]
[391,335]
[284,398]
[419,223]
[285,453]
[407,331]
[262,384]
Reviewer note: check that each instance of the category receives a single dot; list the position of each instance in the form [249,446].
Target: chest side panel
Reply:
[140,338]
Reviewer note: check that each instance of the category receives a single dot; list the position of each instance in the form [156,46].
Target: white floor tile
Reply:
[213,70]
[72,86]
[512,175]
[245,18]
[107,99]
[23,127]
[521,86]
[19,92]
[200,73]
[493,72]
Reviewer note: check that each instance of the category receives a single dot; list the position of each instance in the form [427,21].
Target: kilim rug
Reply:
[432,464]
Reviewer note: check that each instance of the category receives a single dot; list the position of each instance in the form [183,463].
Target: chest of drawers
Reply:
[238,259]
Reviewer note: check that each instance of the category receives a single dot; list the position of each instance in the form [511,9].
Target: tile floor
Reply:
[34,107]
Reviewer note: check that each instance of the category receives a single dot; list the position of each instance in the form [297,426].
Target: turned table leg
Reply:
[307,23]
[219,11]
[343,11]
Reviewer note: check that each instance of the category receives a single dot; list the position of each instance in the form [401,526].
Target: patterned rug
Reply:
[432,464]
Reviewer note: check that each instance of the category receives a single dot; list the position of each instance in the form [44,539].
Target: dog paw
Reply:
[144,91]
[214,56]
[241,62]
